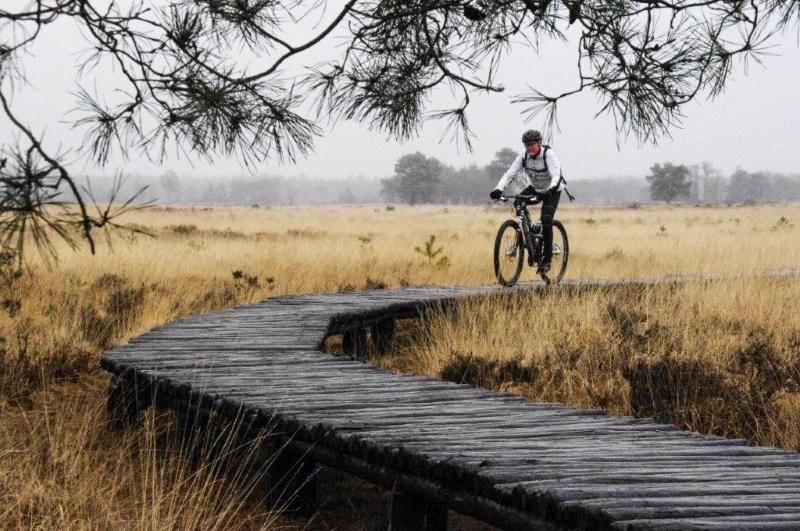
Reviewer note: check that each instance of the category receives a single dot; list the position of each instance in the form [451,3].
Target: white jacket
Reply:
[541,171]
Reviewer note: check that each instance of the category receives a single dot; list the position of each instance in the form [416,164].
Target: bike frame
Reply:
[521,203]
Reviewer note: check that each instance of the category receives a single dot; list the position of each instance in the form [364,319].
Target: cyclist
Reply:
[541,168]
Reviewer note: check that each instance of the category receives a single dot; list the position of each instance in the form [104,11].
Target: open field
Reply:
[736,338]
[309,249]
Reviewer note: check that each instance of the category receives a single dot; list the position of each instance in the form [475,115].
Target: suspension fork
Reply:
[527,239]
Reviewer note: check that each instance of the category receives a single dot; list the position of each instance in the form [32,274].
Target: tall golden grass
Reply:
[62,468]
[719,357]
[313,249]
[57,454]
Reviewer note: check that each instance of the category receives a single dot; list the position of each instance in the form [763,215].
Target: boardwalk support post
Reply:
[128,397]
[354,343]
[417,513]
[383,335]
[292,485]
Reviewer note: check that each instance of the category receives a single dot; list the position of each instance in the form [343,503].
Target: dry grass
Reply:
[57,454]
[719,357]
[307,249]
[67,470]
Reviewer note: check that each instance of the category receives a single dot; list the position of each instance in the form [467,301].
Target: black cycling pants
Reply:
[549,206]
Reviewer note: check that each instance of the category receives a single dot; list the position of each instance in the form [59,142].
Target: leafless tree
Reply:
[183,81]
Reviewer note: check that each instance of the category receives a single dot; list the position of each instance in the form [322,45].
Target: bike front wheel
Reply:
[509,253]
[560,254]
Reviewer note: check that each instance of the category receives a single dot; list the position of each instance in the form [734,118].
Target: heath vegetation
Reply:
[721,357]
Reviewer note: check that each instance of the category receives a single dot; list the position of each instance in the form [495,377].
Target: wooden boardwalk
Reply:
[495,456]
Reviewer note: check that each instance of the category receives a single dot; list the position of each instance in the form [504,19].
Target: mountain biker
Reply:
[541,168]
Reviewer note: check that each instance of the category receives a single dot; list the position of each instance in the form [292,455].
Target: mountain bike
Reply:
[515,236]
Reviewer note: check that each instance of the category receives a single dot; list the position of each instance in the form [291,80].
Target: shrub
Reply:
[782,223]
[113,310]
[306,233]
[245,284]
[183,230]
[374,284]
[10,301]
[345,288]
[738,400]
[433,254]
[480,371]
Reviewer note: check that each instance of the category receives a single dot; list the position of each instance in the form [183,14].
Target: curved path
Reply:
[499,457]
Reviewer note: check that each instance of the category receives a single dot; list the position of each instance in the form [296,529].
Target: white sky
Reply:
[755,124]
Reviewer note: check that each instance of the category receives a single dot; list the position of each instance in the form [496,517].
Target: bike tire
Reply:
[502,258]
[558,267]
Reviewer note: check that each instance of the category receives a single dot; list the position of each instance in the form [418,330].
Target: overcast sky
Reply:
[754,124]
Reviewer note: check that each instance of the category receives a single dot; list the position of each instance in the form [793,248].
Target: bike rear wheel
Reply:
[560,254]
[509,253]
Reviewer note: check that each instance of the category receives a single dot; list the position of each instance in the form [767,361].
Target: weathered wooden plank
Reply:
[687,502]
[750,522]
[707,511]
[664,491]
[637,475]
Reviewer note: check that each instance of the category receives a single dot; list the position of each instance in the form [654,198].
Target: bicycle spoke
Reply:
[560,254]
[508,254]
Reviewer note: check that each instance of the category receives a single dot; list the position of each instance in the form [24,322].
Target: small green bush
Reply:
[433,254]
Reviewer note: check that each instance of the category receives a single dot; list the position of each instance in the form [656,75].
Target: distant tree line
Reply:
[419,179]
[264,190]
[704,183]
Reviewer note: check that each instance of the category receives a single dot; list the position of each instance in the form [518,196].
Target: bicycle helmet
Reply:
[531,135]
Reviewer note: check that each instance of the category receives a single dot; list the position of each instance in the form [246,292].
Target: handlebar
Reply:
[536,197]
[530,199]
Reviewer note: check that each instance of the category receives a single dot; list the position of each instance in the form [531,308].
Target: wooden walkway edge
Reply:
[495,456]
